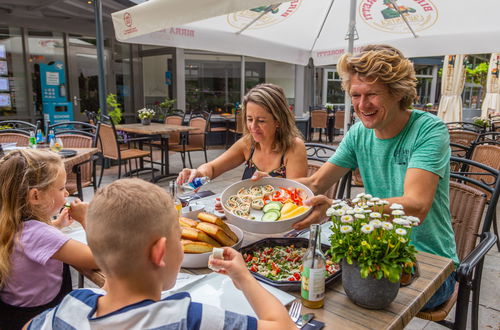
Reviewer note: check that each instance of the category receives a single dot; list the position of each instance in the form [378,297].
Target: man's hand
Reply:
[320,204]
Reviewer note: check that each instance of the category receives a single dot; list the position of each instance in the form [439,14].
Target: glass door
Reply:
[84,80]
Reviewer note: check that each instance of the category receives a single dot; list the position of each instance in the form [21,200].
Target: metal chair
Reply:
[318,120]
[19,126]
[195,140]
[338,122]
[110,148]
[467,203]
[76,134]
[465,126]
[461,142]
[238,130]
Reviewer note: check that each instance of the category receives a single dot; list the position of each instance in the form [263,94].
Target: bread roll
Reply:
[186,222]
[194,234]
[216,232]
[195,247]
[213,219]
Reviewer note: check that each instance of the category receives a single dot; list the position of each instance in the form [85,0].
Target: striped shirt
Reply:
[77,311]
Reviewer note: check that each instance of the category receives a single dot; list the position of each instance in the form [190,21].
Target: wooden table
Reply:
[161,130]
[82,155]
[340,313]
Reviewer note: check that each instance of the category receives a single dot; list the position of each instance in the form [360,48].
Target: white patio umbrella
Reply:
[491,102]
[298,30]
[452,84]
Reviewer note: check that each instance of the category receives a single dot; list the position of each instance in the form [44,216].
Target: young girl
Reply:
[33,252]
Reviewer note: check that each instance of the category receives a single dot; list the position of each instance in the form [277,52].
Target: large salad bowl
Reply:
[256,225]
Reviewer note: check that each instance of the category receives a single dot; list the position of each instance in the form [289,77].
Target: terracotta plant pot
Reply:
[367,292]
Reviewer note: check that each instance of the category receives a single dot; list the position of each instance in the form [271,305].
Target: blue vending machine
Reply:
[56,107]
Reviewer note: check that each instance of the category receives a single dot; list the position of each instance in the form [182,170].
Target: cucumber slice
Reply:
[275,211]
[272,206]
[270,216]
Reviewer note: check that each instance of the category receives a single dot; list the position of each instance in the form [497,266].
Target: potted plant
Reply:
[374,251]
[483,122]
[145,115]
[168,106]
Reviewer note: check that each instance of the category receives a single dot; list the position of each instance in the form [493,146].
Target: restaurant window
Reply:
[13,98]
[123,76]
[212,82]
[157,77]
[44,48]
[332,88]
[279,73]
[424,84]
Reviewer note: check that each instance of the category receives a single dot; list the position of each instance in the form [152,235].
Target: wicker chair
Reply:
[318,120]
[110,148]
[76,134]
[22,140]
[461,142]
[195,140]
[238,130]
[338,121]
[467,203]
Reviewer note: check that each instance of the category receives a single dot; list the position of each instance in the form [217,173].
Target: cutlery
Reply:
[304,319]
[294,311]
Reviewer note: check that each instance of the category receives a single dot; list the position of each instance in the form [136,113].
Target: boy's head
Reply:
[132,228]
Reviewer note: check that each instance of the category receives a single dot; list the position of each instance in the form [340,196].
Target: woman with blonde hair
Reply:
[271,142]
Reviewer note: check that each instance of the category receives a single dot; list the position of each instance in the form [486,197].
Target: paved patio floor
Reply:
[489,311]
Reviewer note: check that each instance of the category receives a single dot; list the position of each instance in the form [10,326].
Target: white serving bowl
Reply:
[257,226]
[200,260]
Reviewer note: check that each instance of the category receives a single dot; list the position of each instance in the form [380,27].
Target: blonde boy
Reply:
[133,232]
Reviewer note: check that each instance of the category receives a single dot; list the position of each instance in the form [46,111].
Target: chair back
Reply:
[466,208]
[18,126]
[22,140]
[109,143]
[489,155]
[461,142]
[319,119]
[175,137]
[339,119]
[73,127]
[465,126]
[239,122]
[197,137]
[79,141]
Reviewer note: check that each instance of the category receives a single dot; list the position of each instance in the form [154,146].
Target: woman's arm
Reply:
[296,160]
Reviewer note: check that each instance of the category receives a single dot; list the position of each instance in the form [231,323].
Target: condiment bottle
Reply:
[177,202]
[313,273]
[32,140]
[196,183]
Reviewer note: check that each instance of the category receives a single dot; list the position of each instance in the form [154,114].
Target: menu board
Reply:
[4,84]
[5,100]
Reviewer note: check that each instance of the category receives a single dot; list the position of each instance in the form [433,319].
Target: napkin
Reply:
[313,325]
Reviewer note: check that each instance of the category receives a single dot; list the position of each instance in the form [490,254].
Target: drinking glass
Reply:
[56,144]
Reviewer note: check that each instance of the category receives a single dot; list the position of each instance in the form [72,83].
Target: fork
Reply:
[294,311]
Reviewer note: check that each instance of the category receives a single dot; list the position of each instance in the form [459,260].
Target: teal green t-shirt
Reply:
[423,143]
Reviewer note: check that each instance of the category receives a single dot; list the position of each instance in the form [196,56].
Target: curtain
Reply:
[491,103]
[452,84]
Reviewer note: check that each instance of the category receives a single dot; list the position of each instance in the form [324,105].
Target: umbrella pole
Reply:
[100,55]
[350,48]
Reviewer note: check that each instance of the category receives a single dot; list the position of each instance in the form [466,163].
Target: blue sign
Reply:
[168,78]
[53,81]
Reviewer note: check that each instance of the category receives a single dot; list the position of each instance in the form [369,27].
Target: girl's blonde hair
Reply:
[272,98]
[385,64]
[20,171]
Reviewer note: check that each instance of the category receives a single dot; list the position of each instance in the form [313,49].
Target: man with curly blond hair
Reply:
[403,154]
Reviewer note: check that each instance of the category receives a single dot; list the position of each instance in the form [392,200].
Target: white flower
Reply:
[359,216]
[401,231]
[387,225]
[360,195]
[384,202]
[367,196]
[345,229]
[398,212]
[396,206]
[375,199]
[375,215]
[359,210]
[347,219]
[145,113]
[337,201]
[355,200]
[339,212]
[401,222]
[376,223]
[350,211]
[330,211]
[414,220]
[367,228]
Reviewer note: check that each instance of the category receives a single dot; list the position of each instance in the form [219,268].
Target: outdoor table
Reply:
[339,312]
[82,155]
[161,130]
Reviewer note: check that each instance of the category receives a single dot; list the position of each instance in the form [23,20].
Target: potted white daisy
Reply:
[145,115]
[373,246]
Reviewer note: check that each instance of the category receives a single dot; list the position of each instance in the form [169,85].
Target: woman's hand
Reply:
[78,211]
[187,175]
[218,205]
[63,220]
[320,204]
[232,266]
[259,175]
